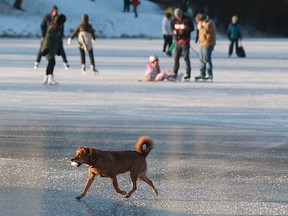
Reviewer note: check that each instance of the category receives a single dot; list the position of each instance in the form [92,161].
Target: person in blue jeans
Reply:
[207,41]
[234,34]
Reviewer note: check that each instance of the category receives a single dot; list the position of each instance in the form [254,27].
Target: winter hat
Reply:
[169,10]
[235,19]
[178,12]
[152,58]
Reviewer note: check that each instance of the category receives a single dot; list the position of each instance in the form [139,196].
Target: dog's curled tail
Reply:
[141,141]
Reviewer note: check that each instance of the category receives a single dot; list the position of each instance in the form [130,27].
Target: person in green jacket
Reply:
[50,47]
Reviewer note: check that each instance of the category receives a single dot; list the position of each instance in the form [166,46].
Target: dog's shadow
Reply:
[93,207]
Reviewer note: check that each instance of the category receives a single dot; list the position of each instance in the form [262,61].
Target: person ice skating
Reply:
[182,26]
[47,19]
[153,72]
[234,34]
[207,41]
[167,32]
[135,4]
[86,37]
[50,47]
[126,7]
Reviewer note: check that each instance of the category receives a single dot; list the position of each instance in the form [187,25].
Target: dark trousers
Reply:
[126,6]
[232,42]
[91,56]
[50,66]
[135,11]
[184,49]
[168,39]
[59,52]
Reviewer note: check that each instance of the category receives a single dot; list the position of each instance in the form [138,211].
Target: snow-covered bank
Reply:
[107,17]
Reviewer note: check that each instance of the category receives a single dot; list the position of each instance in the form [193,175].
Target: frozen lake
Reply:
[221,148]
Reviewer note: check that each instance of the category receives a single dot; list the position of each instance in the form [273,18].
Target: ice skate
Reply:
[36,64]
[45,81]
[83,69]
[95,71]
[199,78]
[179,77]
[208,78]
[66,65]
[51,80]
[187,78]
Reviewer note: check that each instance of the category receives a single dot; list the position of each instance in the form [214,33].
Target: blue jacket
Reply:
[234,31]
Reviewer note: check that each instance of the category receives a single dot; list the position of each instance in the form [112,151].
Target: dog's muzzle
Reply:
[75,164]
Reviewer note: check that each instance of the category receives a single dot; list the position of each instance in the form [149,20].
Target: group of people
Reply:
[134,3]
[180,28]
[52,32]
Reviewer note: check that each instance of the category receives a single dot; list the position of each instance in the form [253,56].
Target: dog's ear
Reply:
[82,150]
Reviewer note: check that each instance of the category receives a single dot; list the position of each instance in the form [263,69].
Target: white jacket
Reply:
[166,26]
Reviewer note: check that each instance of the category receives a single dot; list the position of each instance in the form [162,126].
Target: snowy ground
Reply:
[107,18]
[220,148]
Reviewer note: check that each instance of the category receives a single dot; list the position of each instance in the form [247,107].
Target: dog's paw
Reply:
[156,192]
[78,197]
[127,196]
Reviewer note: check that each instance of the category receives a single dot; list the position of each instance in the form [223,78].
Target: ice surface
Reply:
[220,148]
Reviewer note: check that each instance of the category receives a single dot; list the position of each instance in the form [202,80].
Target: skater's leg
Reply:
[186,48]
[50,66]
[62,52]
[202,55]
[39,54]
[177,54]
[91,57]
[165,43]
[231,47]
[209,65]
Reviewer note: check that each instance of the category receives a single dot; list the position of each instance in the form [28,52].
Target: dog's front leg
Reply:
[90,179]
[115,184]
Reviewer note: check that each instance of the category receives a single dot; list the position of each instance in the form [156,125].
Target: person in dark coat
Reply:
[50,47]
[234,34]
[86,37]
[126,7]
[47,19]
[182,26]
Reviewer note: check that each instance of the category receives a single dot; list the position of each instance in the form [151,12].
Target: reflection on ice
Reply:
[220,148]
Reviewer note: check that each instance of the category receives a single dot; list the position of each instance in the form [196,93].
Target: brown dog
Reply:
[111,163]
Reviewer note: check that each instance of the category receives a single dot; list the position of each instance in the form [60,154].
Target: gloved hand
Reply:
[69,41]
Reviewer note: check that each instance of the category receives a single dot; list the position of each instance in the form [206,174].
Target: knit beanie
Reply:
[235,19]
[178,12]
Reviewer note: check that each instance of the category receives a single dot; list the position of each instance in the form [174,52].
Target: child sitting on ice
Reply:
[153,72]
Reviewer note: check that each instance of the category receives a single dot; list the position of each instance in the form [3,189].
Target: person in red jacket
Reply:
[135,4]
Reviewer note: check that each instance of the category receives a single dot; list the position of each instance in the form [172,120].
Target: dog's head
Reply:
[82,156]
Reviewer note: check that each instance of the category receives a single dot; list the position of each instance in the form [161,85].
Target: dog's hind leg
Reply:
[90,179]
[150,183]
[115,184]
